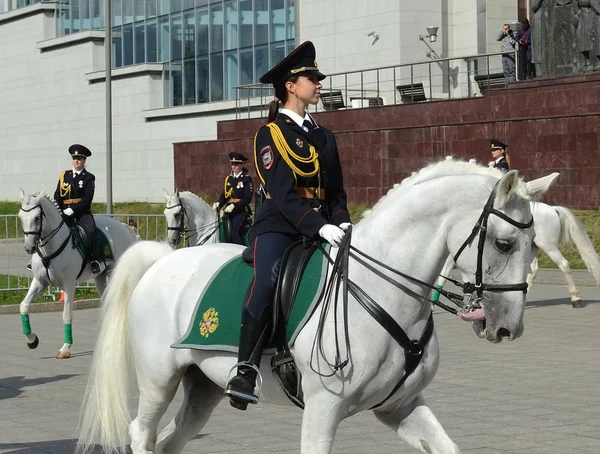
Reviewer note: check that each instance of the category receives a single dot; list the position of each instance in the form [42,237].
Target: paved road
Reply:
[537,395]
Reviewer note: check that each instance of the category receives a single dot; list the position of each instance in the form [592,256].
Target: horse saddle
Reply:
[82,242]
[299,280]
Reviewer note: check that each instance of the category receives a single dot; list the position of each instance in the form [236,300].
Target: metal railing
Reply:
[13,259]
[431,80]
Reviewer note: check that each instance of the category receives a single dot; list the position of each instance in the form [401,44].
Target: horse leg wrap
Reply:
[436,294]
[25,324]
[68,334]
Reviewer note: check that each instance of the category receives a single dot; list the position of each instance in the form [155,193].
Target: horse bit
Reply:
[182,230]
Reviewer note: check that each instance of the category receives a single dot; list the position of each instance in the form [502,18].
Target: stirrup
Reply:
[252,395]
[29,266]
[98,269]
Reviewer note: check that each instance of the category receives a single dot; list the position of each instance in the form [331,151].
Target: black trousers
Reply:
[239,221]
[87,222]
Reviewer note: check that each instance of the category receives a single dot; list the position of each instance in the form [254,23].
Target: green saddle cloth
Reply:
[104,246]
[217,317]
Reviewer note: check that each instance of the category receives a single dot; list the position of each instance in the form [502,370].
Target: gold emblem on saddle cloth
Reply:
[106,251]
[209,323]
[299,142]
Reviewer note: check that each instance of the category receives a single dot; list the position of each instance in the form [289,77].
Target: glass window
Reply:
[151,51]
[138,9]
[188,4]
[189,78]
[84,14]
[117,51]
[202,80]
[176,36]
[163,6]
[150,8]
[291,25]
[127,11]
[278,23]
[140,42]
[176,80]
[291,45]
[261,61]
[163,38]
[232,76]
[277,53]
[75,27]
[127,44]
[175,6]
[246,23]
[96,15]
[202,25]
[246,71]
[189,35]
[216,77]
[117,13]
[262,22]
[200,2]
[231,25]
[216,28]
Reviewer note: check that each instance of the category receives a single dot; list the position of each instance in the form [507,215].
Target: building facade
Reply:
[176,64]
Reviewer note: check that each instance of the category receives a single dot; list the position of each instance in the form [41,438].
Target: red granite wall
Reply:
[550,125]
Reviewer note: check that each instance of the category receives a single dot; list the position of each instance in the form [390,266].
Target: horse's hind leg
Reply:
[157,390]
[563,264]
[200,398]
[35,289]
[416,424]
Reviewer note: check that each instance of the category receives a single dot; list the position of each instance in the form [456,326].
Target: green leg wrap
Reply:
[68,334]
[436,295]
[25,324]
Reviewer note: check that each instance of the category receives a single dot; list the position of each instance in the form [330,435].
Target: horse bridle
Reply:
[182,230]
[481,226]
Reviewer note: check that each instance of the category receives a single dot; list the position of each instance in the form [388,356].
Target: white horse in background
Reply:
[187,214]
[554,226]
[50,240]
[150,301]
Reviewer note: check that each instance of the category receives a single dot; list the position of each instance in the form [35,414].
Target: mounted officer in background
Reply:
[74,194]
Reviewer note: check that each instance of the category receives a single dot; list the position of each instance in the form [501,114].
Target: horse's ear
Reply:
[507,186]
[535,188]
[21,194]
[167,195]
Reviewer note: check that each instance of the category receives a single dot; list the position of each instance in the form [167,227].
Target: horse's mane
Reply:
[444,168]
[30,199]
[194,196]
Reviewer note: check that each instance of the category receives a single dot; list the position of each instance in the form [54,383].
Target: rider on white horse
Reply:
[74,194]
[299,166]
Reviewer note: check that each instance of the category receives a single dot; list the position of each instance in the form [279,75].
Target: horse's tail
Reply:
[104,417]
[573,232]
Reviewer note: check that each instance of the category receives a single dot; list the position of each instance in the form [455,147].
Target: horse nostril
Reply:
[503,333]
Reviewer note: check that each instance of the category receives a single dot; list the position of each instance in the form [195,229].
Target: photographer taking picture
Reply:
[507,47]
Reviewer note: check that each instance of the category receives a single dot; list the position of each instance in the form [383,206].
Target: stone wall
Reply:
[551,125]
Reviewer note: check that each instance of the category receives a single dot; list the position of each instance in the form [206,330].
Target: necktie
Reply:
[308,125]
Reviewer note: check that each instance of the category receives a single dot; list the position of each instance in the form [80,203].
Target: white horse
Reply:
[187,214]
[553,226]
[149,303]
[56,261]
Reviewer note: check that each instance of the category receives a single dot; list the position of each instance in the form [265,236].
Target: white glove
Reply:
[332,234]
[69,211]
[229,208]
[344,225]
[216,206]
[491,164]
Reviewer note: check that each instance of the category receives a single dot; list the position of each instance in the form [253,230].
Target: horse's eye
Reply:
[503,245]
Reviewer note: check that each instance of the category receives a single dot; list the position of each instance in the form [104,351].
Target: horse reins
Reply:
[413,349]
[183,231]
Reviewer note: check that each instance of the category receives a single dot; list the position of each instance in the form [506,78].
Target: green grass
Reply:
[16,296]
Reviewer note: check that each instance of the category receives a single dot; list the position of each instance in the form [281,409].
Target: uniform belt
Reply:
[234,200]
[71,201]
[307,193]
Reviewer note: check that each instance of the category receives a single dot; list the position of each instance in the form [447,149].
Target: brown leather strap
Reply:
[234,200]
[71,201]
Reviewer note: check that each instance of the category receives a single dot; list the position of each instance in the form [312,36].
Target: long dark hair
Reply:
[281,95]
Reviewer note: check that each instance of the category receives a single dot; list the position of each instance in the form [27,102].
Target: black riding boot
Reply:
[253,336]
[95,255]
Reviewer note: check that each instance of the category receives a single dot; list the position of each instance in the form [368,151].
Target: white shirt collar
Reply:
[499,159]
[76,172]
[297,118]
[237,175]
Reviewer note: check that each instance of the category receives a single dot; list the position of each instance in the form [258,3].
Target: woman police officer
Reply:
[298,163]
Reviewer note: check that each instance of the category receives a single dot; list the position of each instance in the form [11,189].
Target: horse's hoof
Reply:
[34,344]
[63,355]
[576,303]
